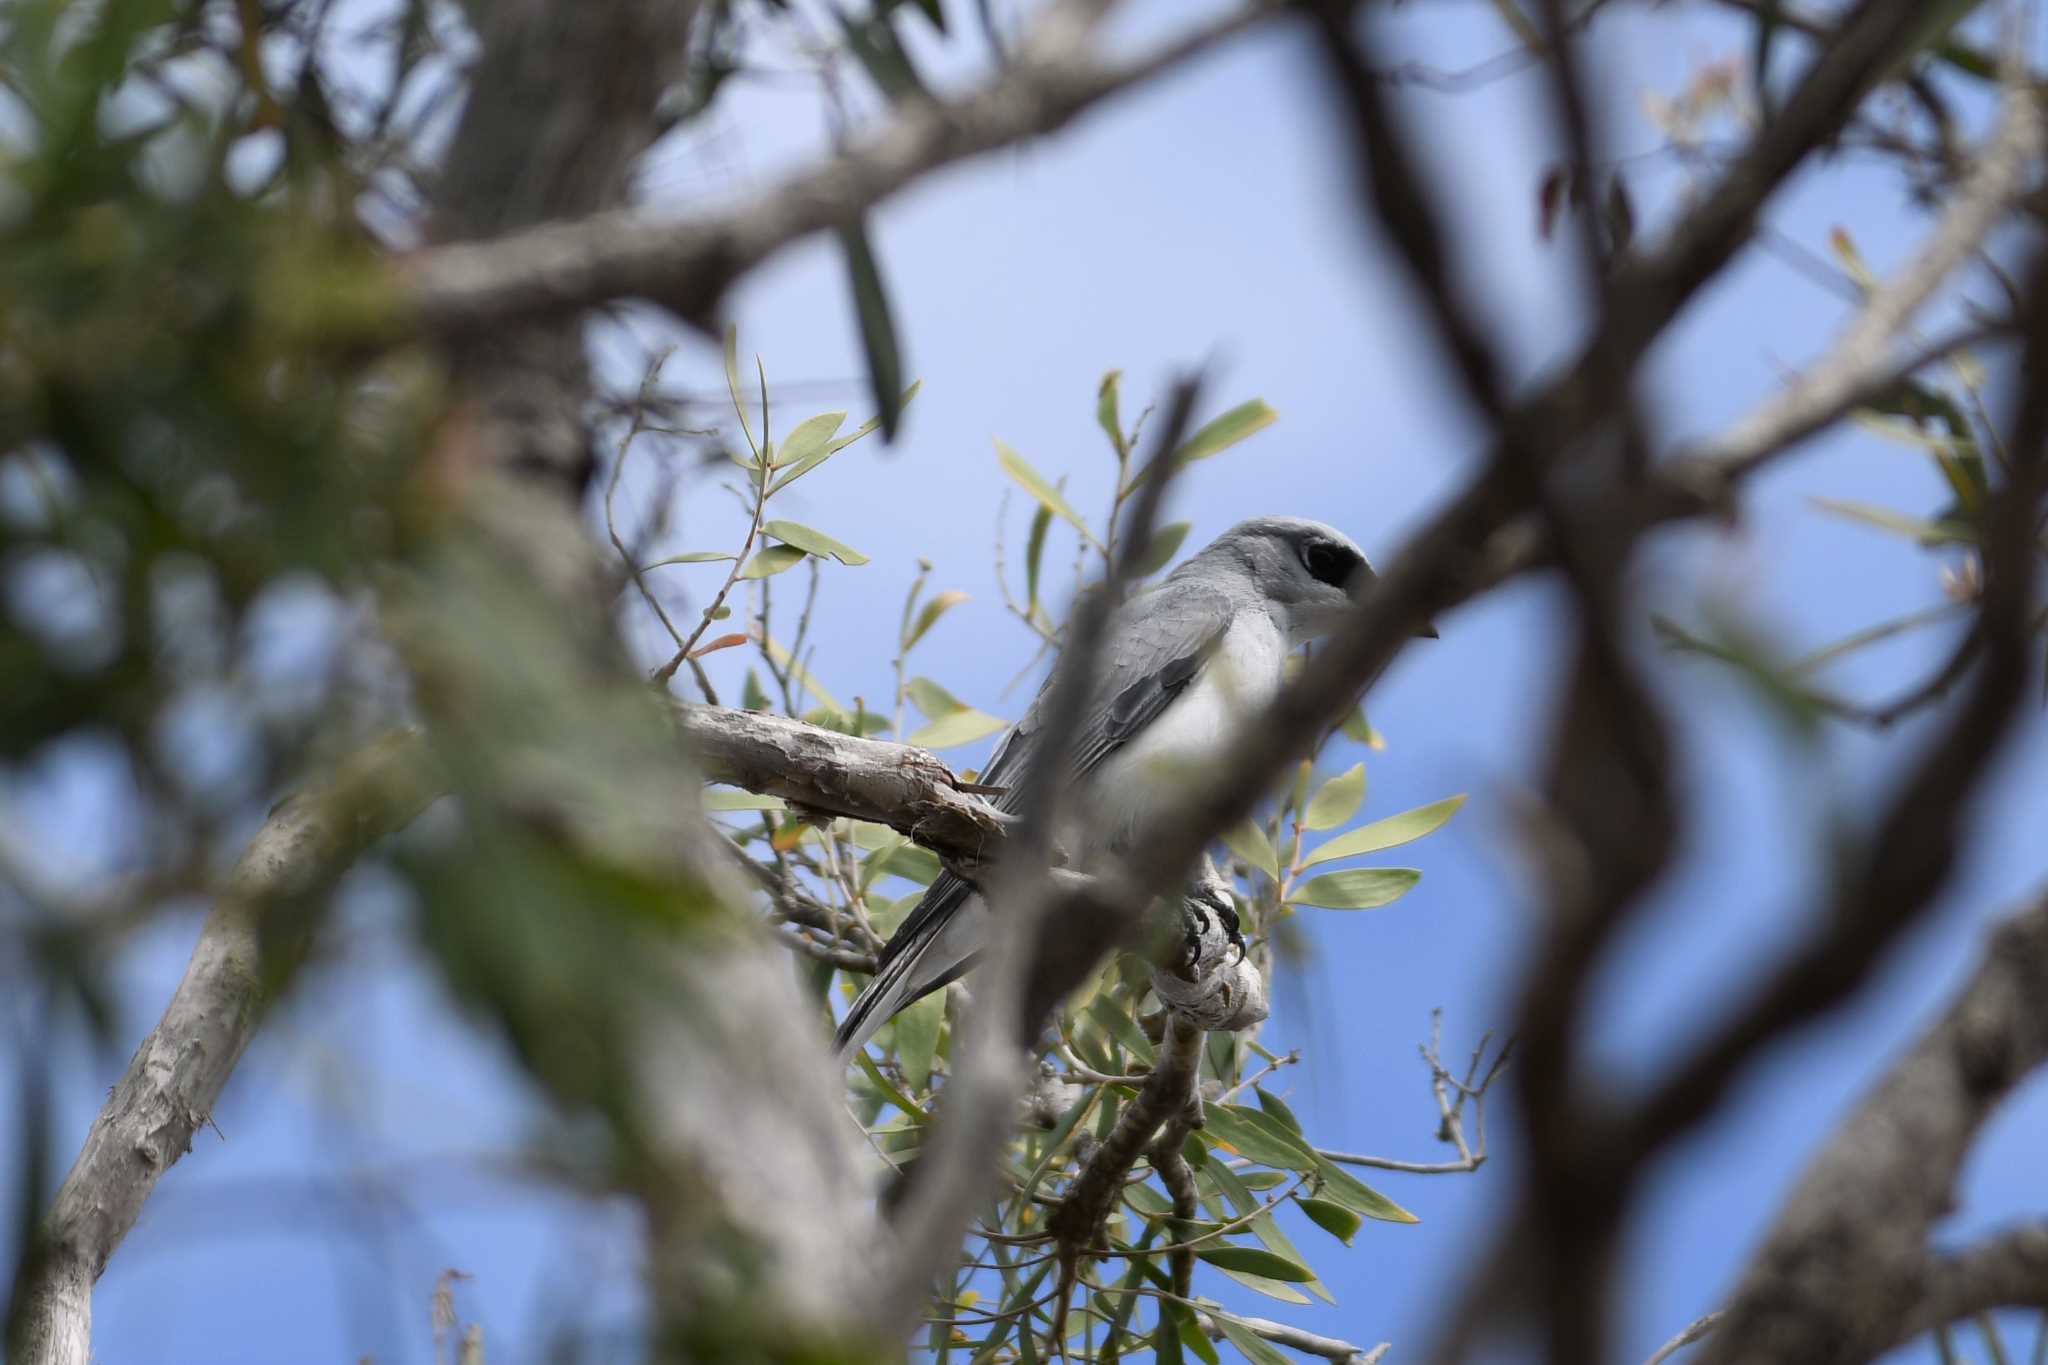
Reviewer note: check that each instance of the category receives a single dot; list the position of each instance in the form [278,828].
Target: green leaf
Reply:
[888,1087]
[796,468]
[1165,545]
[1117,1020]
[907,861]
[933,700]
[732,386]
[1256,1137]
[1337,801]
[1256,1261]
[1391,832]
[752,698]
[1358,729]
[690,557]
[1365,888]
[1353,1193]
[1249,842]
[1271,1288]
[960,727]
[1333,1218]
[1898,523]
[810,438]
[1276,1109]
[816,542]
[728,799]
[1034,552]
[1106,415]
[1191,1334]
[772,560]
[877,326]
[785,660]
[1251,1346]
[1244,420]
[917,1039]
[1035,483]
[929,617]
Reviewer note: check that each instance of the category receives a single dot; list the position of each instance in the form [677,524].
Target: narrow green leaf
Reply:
[752,698]
[772,560]
[1333,1218]
[1165,545]
[729,799]
[810,437]
[961,727]
[1337,800]
[1036,484]
[877,326]
[888,1087]
[785,660]
[1251,1346]
[1107,417]
[929,616]
[931,699]
[1117,1020]
[1191,1334]
[816,542]
[917,1039]
[1267,1230]
[732,386]
[1256,1261]
[691,557]
[1898,523]
[1276,1109]
[1264,1142]
[796,468]
[1034,552]
[1249,842]
[1244,420]
[1365,888]
[1271,1288]
[1353,1193]
[907,861]
[1391,832]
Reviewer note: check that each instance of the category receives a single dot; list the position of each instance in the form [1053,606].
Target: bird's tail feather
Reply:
[926,964]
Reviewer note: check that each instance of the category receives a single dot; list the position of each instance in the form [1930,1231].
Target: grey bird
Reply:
[1180,664]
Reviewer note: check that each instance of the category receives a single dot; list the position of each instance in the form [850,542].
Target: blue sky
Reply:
[369,1141]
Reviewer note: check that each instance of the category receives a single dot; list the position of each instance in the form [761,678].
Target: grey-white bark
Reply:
[169,1090]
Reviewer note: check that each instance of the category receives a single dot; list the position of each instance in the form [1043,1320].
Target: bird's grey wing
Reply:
[1152,649]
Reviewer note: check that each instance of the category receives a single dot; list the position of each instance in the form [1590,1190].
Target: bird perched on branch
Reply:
[1180,665]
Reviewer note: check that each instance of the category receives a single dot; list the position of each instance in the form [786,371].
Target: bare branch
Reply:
[877,780]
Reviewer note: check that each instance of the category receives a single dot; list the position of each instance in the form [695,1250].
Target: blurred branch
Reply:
[2003,170]
[170,1088]
[1845,1274]
[687,265]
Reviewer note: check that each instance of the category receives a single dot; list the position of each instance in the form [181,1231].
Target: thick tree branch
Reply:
[170,1088]
[1845,1274]
[687,264]
[815,769]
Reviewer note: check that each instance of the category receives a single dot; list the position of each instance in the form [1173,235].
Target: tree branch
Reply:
[1844,1274]
[816,769]
[687,264]
[176,1076]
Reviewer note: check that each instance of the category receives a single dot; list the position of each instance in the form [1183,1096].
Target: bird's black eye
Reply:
[1329,562]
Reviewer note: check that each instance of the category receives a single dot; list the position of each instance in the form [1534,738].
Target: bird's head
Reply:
[1310,575]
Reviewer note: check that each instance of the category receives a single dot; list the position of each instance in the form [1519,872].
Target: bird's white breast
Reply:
[1241,676]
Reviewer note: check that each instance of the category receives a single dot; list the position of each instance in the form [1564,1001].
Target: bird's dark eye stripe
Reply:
[1329,562]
